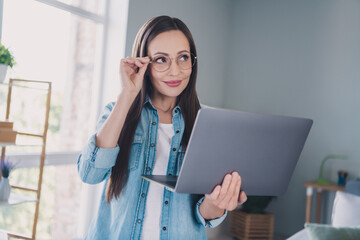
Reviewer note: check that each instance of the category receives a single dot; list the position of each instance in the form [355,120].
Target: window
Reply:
[60,204]
[51,44]
[93,6]
[62,41]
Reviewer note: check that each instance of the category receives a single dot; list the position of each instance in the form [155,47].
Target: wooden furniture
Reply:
[16,198]
[7,134]
[319,188]
[246,226]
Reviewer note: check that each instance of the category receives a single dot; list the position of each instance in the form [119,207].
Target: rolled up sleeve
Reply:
[95,163]
[208,223]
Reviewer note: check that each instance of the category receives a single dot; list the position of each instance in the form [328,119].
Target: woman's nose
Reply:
[174,68]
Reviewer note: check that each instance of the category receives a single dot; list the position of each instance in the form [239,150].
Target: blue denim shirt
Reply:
[123,217]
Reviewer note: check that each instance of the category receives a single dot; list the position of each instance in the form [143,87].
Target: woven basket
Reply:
[246,226]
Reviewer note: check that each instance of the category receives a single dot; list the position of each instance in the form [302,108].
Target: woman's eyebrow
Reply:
[166,54]
[162,53]
[183,51]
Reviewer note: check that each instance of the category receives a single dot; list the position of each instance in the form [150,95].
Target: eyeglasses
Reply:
[162,63]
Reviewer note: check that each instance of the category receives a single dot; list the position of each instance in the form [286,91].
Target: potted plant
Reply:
[6,167]
[6,60]
[251,221]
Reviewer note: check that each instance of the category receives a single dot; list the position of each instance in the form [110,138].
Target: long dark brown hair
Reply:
[187,100]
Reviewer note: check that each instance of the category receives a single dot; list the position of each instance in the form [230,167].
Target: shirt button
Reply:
[177,131]
[148,169]
[153,123]
[143,195]
[166,202]
[139,220]
[153,144]
[164,228]
[174,149]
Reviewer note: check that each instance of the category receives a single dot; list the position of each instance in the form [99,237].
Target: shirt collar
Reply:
[148,102]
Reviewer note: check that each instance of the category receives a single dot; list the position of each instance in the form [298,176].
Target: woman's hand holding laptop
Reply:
[225,197]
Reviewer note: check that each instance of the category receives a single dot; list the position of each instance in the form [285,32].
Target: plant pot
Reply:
[247,226]
[5,189]
[3,70]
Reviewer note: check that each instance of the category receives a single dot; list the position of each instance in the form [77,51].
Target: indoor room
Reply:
[62,68]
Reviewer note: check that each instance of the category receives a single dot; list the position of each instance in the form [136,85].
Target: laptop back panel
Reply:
[264,149]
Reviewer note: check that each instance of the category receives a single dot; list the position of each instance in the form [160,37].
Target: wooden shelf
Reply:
[319,187]
[16,198]
[13,235]
[329,187]
[5,144]
[22,142]
[17,83]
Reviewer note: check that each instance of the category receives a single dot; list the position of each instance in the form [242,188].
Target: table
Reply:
[333,187]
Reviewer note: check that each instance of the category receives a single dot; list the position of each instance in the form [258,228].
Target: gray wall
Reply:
[298,58]
[208,21]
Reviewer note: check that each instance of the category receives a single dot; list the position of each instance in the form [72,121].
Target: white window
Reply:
[76,45]
[52,44]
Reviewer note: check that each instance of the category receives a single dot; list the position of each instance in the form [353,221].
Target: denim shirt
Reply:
[123,217]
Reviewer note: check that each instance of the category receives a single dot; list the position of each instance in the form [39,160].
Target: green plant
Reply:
[6,57]
[256,204]
[6,166]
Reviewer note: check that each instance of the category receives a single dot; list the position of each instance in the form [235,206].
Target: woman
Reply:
[146,132]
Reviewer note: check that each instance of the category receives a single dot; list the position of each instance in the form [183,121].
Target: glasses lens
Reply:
[161,63]
[186,60]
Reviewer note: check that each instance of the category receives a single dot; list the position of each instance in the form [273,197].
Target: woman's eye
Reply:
[184,58]
[160,60]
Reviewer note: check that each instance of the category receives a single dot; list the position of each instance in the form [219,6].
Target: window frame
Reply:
[64,158]
[115,21]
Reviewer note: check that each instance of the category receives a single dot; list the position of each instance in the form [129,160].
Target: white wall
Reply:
[300,58]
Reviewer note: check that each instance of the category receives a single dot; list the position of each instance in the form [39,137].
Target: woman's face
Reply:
[174,45]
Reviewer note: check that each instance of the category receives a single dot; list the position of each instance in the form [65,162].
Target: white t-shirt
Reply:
[151,224]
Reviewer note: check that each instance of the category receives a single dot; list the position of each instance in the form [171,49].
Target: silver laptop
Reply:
[263,148]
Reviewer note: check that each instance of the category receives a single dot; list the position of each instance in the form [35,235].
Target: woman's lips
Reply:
[173,83]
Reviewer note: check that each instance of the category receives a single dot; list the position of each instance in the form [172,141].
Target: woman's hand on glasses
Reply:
[132,72]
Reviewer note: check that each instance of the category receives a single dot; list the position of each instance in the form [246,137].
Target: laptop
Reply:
[264,149]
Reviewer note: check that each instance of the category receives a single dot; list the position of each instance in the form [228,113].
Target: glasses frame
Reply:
[191,55]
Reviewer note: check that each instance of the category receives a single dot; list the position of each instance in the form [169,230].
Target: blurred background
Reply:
[296,58]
